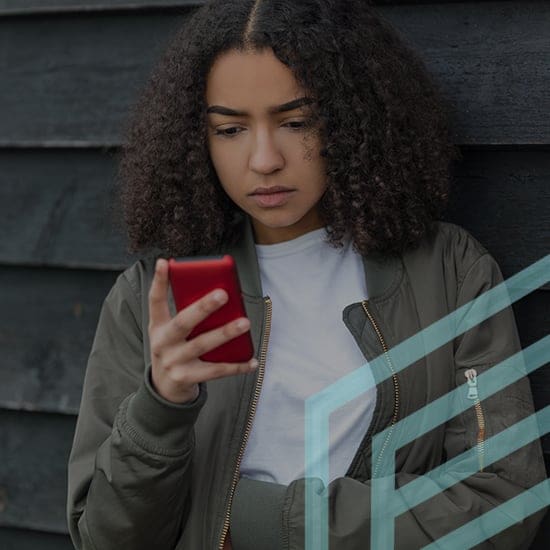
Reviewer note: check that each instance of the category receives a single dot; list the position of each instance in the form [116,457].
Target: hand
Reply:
[176,367]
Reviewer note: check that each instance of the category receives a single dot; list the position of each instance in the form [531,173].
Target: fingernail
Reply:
[253,364]
[242,323]
[219,296]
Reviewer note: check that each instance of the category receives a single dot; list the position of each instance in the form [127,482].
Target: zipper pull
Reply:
[471,379]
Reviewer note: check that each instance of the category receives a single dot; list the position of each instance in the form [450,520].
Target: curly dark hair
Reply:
[385,132]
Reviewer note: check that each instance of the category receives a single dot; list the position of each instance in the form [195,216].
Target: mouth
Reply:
[270,190]
[273,198]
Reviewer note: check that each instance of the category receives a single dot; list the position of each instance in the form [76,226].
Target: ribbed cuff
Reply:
[165,425]
[256,515]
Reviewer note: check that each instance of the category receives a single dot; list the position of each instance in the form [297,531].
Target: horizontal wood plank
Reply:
[503,199]
[74,78]
[31,7]
[49,317]
[25,539]
[33,470]
[47,323]
[58,208]
[489,59]
[52,7]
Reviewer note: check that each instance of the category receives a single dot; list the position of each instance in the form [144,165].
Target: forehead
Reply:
[252,80]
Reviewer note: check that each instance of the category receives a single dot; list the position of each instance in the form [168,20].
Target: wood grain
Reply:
[25,539]
[503,199]
[47,323]
[53,7]
[58,208]
[33,470]
[72,78]
[32,7]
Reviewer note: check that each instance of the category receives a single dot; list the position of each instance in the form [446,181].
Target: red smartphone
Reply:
[191,278]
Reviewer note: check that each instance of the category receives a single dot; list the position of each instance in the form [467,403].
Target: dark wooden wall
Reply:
[70,69]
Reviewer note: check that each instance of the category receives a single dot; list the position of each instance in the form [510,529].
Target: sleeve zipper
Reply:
[471,379]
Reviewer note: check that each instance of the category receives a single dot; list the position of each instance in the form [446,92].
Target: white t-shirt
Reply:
[309,283]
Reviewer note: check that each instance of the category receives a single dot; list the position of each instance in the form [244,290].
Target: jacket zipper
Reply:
[471,378]
[364,303]
[251,413]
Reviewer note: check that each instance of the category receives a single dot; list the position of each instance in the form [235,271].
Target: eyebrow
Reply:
[290,106]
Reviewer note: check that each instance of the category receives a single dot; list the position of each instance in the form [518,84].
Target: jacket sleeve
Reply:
[129,467]
[272,516]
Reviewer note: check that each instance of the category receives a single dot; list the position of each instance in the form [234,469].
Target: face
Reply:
[260,137]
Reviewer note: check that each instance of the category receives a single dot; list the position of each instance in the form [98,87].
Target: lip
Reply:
[272,199]
[269,190]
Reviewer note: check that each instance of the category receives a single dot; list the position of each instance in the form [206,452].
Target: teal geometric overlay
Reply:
[386,501]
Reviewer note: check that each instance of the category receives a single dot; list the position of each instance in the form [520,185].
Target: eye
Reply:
[228,132]
[304,125]
[296,124]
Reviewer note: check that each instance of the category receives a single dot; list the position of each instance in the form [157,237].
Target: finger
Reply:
[186,320]
[203,343]
[212,371]
[203,371]
[158,294]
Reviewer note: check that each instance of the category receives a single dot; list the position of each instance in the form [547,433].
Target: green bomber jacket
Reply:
[145,473]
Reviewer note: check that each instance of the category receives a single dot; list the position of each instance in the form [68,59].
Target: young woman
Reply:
[307,141]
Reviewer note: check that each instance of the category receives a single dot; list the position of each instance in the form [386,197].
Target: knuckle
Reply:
[152,293]
[156,349]
[228,331]
[197,346]
[238,327]
[219,371]
[180,376]
[181,322]
[205,306]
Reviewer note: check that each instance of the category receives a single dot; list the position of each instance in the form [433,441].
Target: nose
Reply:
[266,155]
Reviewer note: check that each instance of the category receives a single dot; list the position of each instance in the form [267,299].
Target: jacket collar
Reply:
[244,253]
[382,273]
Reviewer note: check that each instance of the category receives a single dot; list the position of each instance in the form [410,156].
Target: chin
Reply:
[280,223]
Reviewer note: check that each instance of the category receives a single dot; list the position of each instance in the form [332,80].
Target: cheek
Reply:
[228,174]
[309,155]
[223,162]
[314,168]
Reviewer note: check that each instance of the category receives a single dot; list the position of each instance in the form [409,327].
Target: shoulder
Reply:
[460,245]
[448,257]
[458,239]
[139,275]
[455,247]
[132,284]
